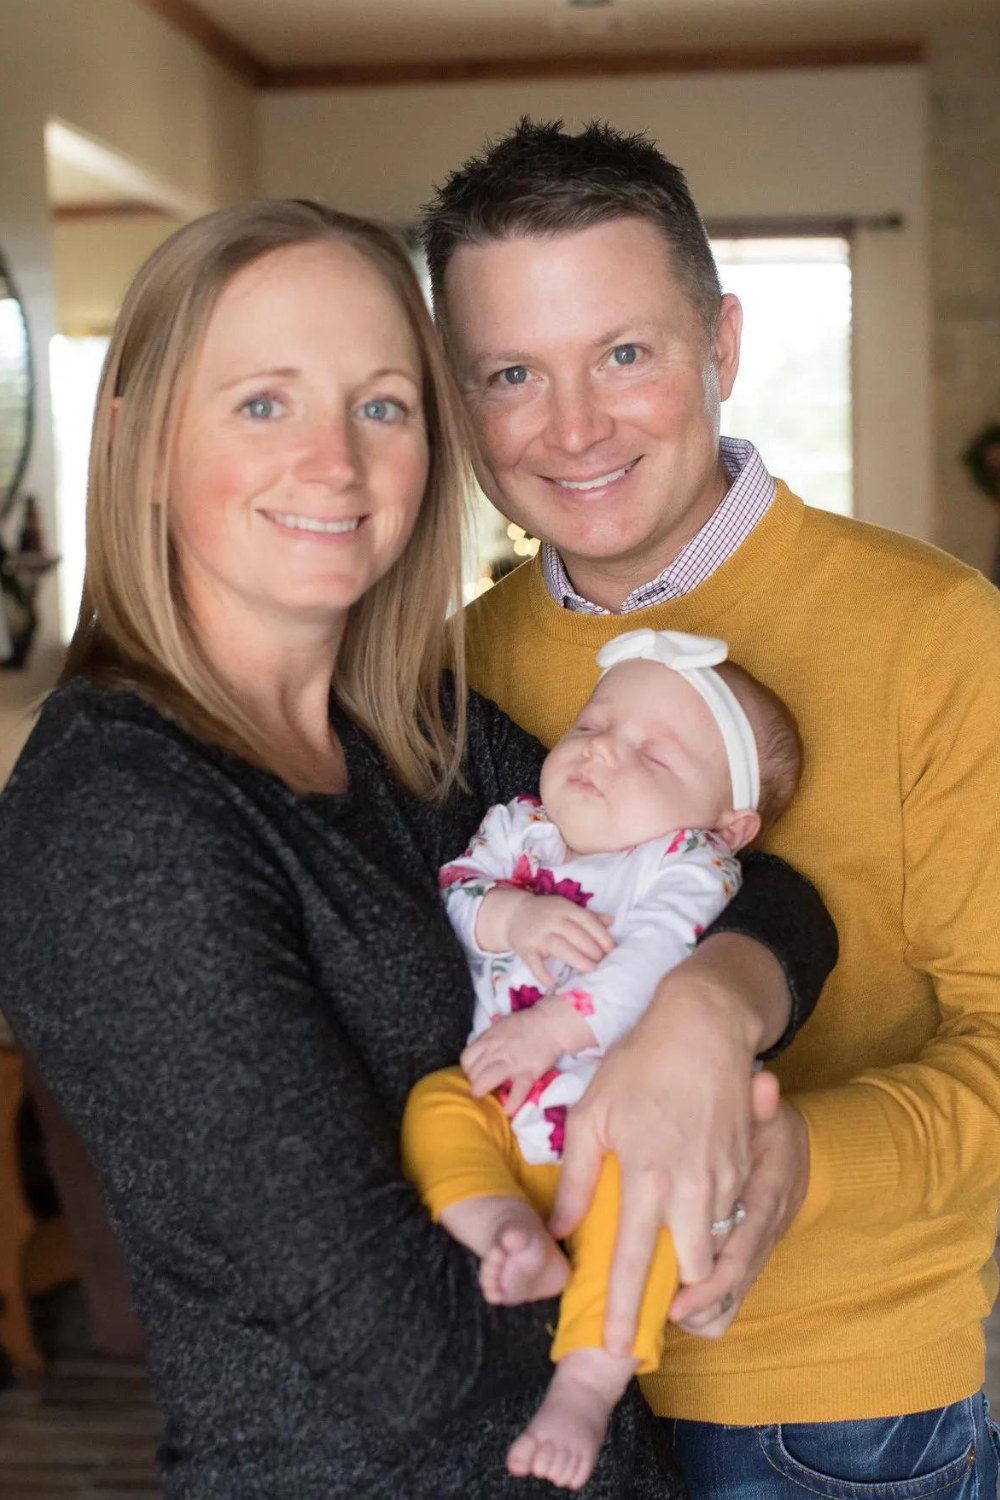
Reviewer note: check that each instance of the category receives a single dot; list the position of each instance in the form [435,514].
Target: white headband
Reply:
[694,656]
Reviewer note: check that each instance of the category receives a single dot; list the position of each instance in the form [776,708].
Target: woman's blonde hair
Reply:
[134,629]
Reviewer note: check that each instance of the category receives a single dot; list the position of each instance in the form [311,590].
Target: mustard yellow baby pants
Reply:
[456,1147]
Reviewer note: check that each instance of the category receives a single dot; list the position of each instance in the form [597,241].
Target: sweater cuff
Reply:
[854,1166]
[778,908]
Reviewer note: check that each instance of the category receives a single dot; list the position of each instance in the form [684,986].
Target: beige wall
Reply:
[844,142]
[93,262]
[111,69]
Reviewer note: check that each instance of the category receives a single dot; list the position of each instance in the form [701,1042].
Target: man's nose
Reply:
[329,457]
[577,419]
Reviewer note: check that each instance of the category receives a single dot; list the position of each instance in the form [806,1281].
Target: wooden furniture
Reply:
[35,1254]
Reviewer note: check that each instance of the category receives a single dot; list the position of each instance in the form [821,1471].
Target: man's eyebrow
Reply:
[500,357]
[506,357]
[618,335]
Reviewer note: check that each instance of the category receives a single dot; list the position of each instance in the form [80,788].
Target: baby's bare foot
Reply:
[564,1437]
[524,1264]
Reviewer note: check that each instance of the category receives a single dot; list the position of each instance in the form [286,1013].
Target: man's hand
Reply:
[674,1101]
[540,927]
[772,1197]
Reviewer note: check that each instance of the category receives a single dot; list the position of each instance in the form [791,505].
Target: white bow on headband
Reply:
[694,656]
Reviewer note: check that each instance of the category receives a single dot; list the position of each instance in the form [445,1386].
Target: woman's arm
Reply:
[162,986]
[773,949]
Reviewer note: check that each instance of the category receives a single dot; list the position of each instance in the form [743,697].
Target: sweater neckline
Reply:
[748,568]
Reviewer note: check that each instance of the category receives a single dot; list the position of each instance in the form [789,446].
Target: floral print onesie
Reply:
[661,894]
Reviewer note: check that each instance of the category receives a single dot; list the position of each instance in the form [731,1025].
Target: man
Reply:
[578,298]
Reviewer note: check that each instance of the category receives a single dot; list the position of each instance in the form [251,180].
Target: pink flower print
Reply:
[545,884]
[452,874]
[523,997]
[542,882]
[685,841]
[540,1085]
[522,876]
[531,801]
[534,1093]
[582,1001]
[556,1117]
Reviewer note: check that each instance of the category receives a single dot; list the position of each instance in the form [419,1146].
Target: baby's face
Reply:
[643,757]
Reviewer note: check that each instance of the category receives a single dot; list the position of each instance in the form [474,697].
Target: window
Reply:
[793,395]
[75,371]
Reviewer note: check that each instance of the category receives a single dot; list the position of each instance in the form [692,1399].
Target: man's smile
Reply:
[599,482]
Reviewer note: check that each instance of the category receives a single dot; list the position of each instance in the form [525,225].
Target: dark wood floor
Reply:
[89,1429]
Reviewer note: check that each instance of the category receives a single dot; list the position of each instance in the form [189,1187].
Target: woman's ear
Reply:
[738,829]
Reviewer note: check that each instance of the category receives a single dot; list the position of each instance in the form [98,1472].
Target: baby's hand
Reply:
[542,927]
[517,1049]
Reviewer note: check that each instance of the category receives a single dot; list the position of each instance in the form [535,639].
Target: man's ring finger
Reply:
[727,1302]
[723,1226]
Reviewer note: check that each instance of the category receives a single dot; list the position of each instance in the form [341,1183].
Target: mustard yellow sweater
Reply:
[888,652]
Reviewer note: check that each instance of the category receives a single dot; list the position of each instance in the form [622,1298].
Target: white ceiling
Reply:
[282,33]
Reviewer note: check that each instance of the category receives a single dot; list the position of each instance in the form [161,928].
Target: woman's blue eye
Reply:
[260,408]
[382,411]
[625,354]
[514,375]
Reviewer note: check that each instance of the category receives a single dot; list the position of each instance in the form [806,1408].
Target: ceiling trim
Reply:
[197,27]
[729,59]
[112,208]
[188,18]
[796,226]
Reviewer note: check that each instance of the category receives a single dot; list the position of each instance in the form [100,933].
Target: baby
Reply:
[571,910]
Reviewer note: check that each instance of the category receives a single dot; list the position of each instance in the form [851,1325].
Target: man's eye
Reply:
[514,375]
[625,354]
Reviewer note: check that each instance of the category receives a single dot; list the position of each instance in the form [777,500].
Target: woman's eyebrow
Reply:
[285,372]
[394,370]
[289,372]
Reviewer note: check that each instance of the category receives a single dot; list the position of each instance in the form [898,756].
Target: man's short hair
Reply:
[779,744]
[539,180]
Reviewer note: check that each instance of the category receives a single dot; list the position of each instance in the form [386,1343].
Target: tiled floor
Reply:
[88,1431]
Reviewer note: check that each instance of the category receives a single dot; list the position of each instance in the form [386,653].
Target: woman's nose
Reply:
[329,458]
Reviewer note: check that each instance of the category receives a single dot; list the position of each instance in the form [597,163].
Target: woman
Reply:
[226,948]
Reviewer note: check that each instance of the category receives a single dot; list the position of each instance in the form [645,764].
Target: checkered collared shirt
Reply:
[741,507]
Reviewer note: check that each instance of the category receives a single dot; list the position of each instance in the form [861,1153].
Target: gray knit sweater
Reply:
[231,989]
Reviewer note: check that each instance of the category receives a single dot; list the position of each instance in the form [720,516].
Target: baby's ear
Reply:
[738,829]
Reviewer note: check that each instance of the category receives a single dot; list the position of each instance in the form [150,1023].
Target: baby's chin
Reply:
[583,835]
